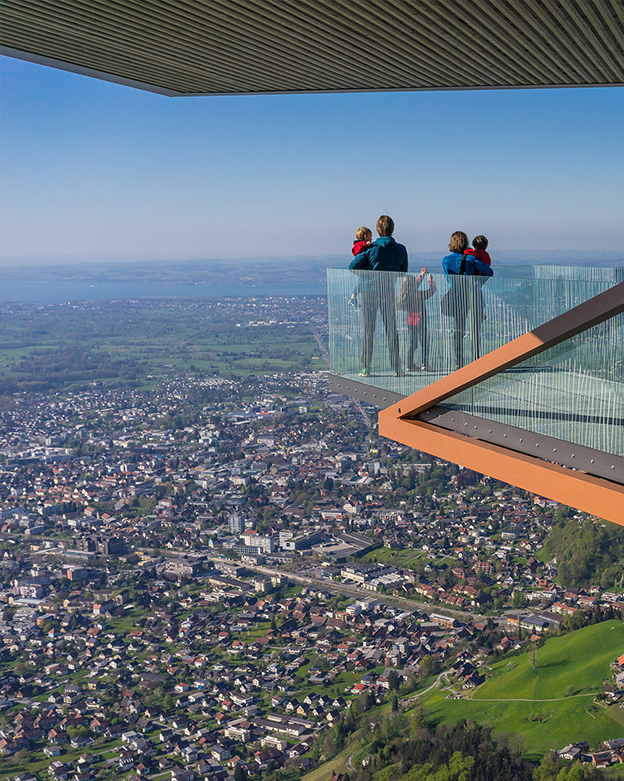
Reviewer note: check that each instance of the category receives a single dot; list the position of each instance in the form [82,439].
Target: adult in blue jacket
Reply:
[378,292]
[466,275]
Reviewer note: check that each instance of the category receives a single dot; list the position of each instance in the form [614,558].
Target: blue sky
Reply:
[93,170]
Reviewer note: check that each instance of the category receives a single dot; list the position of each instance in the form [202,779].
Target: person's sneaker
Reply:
[426,368]
[354,302]
[364,373]
[398,373]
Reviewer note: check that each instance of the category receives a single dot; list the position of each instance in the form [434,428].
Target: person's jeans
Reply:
[468,302]
[380,298]
[418,333]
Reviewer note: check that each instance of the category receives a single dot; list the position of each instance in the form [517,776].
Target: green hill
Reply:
[551,705]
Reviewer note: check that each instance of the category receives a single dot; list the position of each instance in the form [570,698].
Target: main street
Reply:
[356,591]
[328,585]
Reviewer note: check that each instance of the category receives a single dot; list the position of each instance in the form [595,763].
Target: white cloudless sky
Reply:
[97,170]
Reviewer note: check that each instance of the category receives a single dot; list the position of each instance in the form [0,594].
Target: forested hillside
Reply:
[464,752]
[588,553]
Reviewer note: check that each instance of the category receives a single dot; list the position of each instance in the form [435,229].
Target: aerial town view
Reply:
[208,576]
[311,390]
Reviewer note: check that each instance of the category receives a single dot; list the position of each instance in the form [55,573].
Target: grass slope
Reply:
[336,765]
[580,659]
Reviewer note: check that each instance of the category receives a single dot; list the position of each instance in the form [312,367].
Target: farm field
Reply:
[550,706]
[136,343]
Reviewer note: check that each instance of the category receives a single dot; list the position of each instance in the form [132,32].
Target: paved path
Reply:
[413,697]
[525,699]
[443,674]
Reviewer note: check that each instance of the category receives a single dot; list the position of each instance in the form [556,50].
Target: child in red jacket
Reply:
[363,240]
[478,250]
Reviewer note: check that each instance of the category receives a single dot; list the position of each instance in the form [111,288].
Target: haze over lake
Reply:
[29,281]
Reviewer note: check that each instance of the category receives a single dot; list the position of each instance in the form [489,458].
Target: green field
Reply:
[326,770]
[146,341]
[513,698]
[405,557]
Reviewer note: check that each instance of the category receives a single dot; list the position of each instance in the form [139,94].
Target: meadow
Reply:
[550,706]
[137,342]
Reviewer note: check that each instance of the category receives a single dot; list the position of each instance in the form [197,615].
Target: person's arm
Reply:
[360,261]
[447,272]
[404,262]
[431,291]
[476,267]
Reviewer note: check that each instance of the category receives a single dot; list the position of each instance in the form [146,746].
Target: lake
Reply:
[59,292]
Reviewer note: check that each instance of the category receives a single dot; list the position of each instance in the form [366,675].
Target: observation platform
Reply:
[558,400]
[540,354]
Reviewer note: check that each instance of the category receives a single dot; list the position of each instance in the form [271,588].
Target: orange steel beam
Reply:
[592,312]
[577,489]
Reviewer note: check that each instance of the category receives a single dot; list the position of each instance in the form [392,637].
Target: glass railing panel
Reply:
[574,391]
[402,332]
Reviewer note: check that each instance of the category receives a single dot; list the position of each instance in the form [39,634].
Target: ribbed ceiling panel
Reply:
[272,46]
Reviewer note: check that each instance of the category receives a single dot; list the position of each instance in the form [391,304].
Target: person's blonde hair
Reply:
[458,242]
[362,233]
[385,225]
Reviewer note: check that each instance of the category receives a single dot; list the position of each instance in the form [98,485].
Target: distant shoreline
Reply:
[60,292]
[82,281]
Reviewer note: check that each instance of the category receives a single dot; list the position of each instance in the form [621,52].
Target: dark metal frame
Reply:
[361,391]
[556,451]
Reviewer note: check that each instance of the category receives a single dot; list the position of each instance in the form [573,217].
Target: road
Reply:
[356,591]
[331,586]
[407,701]
[362,412]
[322,348]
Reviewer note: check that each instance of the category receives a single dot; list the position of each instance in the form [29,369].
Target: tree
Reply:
[428,666]
[548,768]
[329,745]
[518,600]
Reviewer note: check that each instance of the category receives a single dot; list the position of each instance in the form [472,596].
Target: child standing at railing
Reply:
[412,300]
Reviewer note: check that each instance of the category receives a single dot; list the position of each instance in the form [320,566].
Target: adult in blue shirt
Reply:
[466,275]
[378,292]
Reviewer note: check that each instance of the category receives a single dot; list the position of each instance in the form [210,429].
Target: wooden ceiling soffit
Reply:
[594,495]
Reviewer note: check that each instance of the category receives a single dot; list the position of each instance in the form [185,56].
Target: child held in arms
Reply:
[478,250]
[363,240]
